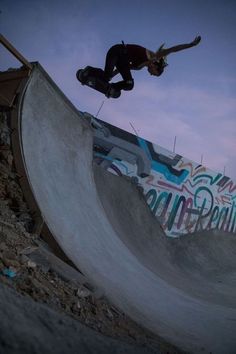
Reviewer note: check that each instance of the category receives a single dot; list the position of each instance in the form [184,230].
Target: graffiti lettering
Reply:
[183,211]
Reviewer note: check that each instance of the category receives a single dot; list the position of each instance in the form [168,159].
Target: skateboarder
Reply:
[122,58]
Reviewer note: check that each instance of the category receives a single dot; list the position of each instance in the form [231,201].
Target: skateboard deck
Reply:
[94,78]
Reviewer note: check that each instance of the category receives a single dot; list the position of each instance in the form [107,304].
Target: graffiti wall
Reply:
[185,196]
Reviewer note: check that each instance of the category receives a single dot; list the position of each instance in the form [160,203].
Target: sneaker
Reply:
[79,75]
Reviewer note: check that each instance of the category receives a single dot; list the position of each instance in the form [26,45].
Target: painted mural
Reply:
[185,197]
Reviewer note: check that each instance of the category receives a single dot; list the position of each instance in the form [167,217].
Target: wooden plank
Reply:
[14,51]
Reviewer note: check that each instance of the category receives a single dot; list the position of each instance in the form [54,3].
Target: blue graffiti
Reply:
[118,162]
[161,167]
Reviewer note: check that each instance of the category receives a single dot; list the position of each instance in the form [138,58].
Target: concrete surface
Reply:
[50,331]
[184,290]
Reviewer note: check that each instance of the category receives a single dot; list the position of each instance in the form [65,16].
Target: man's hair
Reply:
[162,62]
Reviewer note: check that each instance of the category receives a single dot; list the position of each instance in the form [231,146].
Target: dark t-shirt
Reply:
[137,56]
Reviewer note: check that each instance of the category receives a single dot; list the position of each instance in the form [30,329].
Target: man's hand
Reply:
[196,40]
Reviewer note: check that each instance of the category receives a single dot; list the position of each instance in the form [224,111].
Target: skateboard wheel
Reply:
[114,93]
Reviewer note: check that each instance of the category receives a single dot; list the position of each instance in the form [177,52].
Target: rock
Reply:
[109,314]
[3,246]
[40,260]
[11,263]
[4,170]
[28,250]
[10,160]
[23,259]
[4,223]
[31,264]
[7,156]
[83,292]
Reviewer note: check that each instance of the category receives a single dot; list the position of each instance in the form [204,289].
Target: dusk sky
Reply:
[193,100]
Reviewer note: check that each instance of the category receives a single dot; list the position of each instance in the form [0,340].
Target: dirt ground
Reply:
[28,266]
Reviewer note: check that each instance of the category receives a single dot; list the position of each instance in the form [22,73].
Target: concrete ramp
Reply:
[183,289]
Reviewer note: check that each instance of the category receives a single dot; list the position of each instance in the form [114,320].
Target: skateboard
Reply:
[94,78]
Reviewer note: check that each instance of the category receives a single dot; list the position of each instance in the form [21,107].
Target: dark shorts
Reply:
[117,58]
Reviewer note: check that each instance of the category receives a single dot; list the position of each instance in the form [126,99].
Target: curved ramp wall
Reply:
[57,151]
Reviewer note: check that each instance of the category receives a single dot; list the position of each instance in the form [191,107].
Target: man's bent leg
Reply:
[123,67]
[111,61]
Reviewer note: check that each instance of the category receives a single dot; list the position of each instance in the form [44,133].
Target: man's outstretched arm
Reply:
[164,52]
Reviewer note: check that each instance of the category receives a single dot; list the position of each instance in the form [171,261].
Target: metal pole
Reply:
[99,109]
[15,52]
[174,144]
[133,128]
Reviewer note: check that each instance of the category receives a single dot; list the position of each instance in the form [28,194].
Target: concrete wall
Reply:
[184,195]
